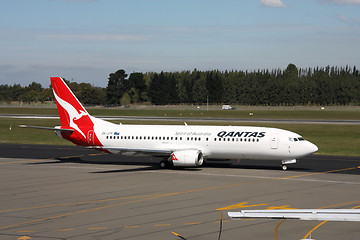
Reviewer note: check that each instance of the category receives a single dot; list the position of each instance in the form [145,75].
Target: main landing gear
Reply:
[284,163]
[165,164]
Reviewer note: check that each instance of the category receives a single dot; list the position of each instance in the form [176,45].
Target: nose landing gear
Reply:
[284,163]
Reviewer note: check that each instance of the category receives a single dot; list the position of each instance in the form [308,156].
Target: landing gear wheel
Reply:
[284,167]
[166,164]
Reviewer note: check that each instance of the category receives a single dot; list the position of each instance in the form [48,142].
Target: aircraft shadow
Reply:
[312,164]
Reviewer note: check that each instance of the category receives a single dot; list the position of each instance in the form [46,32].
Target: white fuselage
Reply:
[215,142]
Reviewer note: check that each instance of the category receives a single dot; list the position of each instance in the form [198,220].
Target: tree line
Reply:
[292,86]
[34,92]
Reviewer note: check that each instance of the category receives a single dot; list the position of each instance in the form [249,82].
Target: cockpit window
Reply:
[296,139]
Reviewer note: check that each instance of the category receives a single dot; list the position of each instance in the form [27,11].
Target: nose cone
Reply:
[312,148]
[304,148]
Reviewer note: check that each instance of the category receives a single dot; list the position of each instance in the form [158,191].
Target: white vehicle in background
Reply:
[227,107]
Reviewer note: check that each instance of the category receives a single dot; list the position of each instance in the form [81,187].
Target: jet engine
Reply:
[187,158]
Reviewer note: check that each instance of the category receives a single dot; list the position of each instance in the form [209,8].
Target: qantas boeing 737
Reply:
[179,145]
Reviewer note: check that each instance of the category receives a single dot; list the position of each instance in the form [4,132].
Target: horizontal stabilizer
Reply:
[301,214]
[48,128]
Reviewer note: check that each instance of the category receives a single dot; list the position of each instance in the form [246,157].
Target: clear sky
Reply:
[85,40]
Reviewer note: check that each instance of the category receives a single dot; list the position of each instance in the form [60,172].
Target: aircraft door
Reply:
[291,146]
[90,137]
[274,141]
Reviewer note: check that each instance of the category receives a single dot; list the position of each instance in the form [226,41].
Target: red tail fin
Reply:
[72,114]
[66,101]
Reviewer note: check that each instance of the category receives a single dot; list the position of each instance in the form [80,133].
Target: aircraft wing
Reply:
[138,151]
[143,151]
[48,128]
[301,214]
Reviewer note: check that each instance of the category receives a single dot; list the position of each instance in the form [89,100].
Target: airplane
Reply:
[178,145]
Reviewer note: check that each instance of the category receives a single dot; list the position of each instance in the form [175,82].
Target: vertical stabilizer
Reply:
[72,114]
[66,101]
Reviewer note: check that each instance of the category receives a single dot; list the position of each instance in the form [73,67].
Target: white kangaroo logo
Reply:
[73,113]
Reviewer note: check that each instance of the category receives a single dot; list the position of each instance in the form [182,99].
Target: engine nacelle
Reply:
[187,158]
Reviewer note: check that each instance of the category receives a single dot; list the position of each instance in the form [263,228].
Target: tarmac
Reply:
[66,192]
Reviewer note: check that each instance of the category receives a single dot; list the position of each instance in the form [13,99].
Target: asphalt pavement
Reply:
[68,192]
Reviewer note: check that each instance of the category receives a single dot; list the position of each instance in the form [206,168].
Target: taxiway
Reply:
[66,192]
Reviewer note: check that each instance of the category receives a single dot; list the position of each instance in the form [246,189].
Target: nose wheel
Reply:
[284,163]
